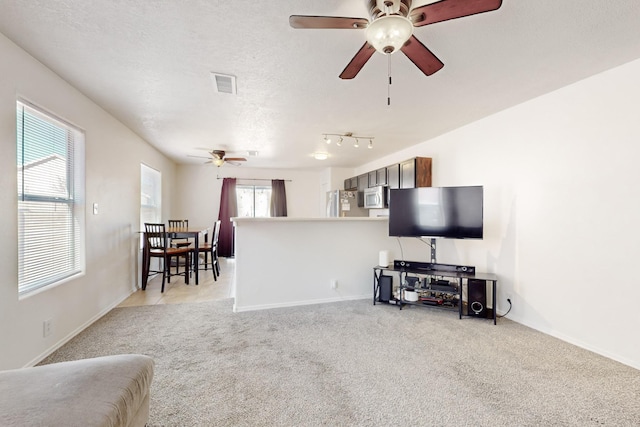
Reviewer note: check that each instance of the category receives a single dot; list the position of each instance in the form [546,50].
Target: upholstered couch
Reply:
[105,391]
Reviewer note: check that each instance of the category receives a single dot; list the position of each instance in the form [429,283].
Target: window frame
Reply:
[253,186]
[155,176]
[37,196]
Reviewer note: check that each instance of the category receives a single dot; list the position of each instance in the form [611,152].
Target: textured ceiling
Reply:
[148,63]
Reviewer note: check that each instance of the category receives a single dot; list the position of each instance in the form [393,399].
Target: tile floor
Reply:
[178,292]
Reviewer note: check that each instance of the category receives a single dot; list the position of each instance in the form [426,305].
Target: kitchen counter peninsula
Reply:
[289,261]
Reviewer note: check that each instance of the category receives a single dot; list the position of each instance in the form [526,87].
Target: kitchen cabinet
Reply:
[411,173]
[378,177]
[393,176]
[415,172]
[351,183]
[363,183]
[373,179]
[381,176]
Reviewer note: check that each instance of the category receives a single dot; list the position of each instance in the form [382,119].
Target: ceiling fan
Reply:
[391,28]
[218,158]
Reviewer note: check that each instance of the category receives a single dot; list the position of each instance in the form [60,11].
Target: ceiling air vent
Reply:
[224,83]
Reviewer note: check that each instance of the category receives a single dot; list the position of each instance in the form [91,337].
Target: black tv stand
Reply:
[443,286]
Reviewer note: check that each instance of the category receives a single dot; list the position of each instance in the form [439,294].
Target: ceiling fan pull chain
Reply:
[389,75]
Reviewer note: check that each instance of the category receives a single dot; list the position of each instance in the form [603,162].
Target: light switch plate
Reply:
[95,209]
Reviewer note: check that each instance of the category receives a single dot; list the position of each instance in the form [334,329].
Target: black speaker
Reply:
[477,298]
[385,284]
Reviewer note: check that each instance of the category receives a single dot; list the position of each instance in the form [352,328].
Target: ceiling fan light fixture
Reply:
[320,156]
[357,143]
[218,162]
[370,146]
[339,143]
[388,34]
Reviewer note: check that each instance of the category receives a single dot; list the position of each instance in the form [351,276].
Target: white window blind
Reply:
[50,163]
[150,195]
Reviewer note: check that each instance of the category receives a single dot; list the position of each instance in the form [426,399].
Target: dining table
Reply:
[190,232]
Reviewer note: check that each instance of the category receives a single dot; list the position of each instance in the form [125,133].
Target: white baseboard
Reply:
[237,309]
[75,332]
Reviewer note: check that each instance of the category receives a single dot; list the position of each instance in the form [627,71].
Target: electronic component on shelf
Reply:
[412,282]
[432,300]
[442,285]
[418,266]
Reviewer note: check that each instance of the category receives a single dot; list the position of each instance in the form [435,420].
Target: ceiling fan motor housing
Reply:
[378,8]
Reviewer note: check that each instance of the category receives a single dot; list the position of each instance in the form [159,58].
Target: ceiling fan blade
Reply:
[235,159]
[337,22]
[198,157]
[424,59]
[450,9]
[357,62]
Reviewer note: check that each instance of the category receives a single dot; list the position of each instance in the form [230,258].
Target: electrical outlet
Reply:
[46,327]
[334,283]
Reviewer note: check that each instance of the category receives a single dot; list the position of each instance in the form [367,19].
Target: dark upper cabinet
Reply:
[363,182]
[415,173]
[412,173]
[393,176]
[381,176]
[351,183]
[378,177]
[373,179]
[408,174]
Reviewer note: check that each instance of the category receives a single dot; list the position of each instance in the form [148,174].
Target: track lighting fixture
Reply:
[341,136]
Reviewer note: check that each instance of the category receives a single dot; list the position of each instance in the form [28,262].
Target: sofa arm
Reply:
[104,391]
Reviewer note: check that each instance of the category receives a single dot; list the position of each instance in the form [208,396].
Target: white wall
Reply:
[199,198]
[291,261]
[562,208]
[113,157]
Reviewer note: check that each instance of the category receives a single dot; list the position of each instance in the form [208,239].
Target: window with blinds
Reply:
[150,195]
[50,163]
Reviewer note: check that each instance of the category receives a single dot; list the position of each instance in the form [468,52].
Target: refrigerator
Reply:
[344,203]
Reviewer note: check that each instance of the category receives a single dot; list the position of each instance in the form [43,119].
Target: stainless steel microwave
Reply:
[375,197]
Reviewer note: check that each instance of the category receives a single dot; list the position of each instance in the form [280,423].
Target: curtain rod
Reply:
[255,179]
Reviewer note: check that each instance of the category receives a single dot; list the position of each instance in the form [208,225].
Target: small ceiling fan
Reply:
[218,158]
[391,28]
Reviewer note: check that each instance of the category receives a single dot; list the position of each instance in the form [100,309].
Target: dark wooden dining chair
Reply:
[216,235]
[179,224]
[209,249]
[157,246]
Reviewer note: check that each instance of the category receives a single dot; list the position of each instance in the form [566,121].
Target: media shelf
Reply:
[442,286]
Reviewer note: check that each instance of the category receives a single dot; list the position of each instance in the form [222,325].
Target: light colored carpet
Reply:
[355,364]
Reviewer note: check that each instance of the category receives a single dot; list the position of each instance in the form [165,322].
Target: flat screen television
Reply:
[449,212]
